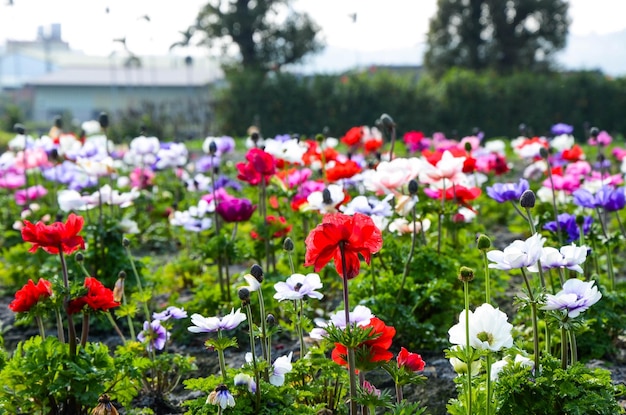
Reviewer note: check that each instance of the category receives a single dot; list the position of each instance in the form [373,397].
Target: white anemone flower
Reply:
[518,254]
[569,256]
[488,329]
[213,324]
[281,366]
[299,286]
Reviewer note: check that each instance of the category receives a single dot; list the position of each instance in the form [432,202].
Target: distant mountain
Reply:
[605,52]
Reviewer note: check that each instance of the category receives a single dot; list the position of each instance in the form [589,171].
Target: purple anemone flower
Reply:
[575,297]
[567,223]
[235,210]
[154,334]
[170,312]
[504,192]
[561,128]
[607,198]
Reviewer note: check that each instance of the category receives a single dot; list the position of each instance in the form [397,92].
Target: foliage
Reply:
[263,43]
[489,34]
[289,103]
[41,377]
[576,390]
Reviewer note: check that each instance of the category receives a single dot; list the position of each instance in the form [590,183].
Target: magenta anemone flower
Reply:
[235,210]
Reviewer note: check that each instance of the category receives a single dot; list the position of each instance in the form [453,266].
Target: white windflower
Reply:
[488,329]
[518,254]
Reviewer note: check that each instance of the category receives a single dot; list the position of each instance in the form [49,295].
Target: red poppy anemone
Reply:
[354,235]
[56,237]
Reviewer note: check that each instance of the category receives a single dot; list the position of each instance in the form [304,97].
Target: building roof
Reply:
[123,76]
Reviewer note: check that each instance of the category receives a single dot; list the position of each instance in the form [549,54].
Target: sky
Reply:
[91,25]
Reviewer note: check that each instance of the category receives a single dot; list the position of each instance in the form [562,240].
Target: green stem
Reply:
[487,277]
[220,354]
[263,326]
[533,309]
[346,304]
[60,328]
[409,258]
[468,356]
[71,329]
[85,329]
[257,377]
[563,348]
[300,329]
[489,387]
[42,331]
[138,280]
[573,346]
[533,230]
[116,327]
[554,208]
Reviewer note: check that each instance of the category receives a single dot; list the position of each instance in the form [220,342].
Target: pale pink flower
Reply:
[448,167]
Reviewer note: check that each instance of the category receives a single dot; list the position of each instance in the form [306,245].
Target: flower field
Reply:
[312,275]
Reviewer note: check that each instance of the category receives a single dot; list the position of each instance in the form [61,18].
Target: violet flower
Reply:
[170,312]
[561,128]
[575,297]
[213,324]
[221,397]
[567,223]
[504,192]
[607,198]
[235,210]
[154,334]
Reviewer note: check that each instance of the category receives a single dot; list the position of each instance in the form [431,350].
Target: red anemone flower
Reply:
[343,170]
[368,353]
[356,233]
[98,297]
[55,237]
[411,361]
[30,294]
[353,136]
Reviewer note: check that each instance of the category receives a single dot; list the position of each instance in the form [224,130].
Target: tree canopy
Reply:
[503,35]
[264,34]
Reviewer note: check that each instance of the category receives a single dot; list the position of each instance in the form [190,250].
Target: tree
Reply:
[258,32]
[503,35]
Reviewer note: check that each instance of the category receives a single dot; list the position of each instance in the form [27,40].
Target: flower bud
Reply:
[79,257]
[19,128]
[288,245]
[580,220]
[125,242]
[466,274]
[319,138]
[594,131]
[270,320]
[468,146]
[543,152]
[103,119]
[527,200]
[118,289]
[326,199]
[483,242]
[387,122]
[413,187]
[257,272]
[58,121]
[212,148]
[244,295]
[254,137]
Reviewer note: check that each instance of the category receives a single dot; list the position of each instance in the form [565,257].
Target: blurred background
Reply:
[192,68]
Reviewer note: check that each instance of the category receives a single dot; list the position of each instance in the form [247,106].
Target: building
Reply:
[47,79]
